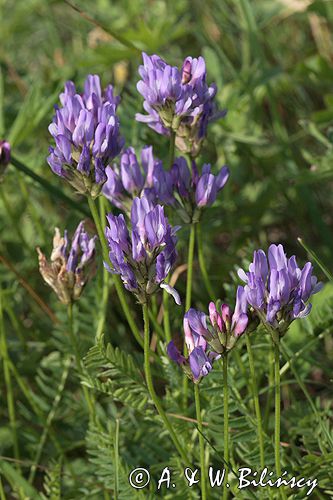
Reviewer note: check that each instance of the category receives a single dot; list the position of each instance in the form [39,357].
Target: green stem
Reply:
[151,389]
[105,282]
[202,265]
[116,460]
[190,256]
[270,389]
[104,304]
[166,317]
[256,401]
[201,443]
[105,27]
[157,327]
[116,278]
[188,298]
[226,424]
[276,342]
[2,492]
[172,148]
[8,384]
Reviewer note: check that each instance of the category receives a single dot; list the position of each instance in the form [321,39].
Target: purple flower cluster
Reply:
[144,256]
[200,360]
[209,337]
[186,190]
[70,265]
[277,289]
[4,156]
[131,179]
[189,191]
[86,134]
[178,101]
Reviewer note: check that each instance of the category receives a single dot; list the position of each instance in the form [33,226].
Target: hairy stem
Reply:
[188,298]
[151,389]
[201,443]
[166,316]
[270,389]
[277,405]
[202,265]
[190,257]
[172,148]
[256,401]
[276,344]
[226,424]
[116,461]
[105,281]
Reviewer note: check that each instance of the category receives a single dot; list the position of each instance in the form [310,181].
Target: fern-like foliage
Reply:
[52,483]
[115,373]
[102,454]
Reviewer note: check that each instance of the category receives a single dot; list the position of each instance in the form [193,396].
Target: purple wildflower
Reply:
[177,100]
[4,157]
[188,191]
[207,337]
[132,178]
[199,361]
[144,255]
[222,328]
[86,134]
[277,289]
[70,265]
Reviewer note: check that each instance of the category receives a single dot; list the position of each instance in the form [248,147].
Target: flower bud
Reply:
[69,268]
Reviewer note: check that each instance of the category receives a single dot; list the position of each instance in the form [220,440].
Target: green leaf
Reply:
[115,373]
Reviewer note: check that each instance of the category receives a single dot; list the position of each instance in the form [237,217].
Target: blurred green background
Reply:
[272,61]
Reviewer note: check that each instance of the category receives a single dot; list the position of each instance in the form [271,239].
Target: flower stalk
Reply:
[255,396]
[150,385]
[188,297]
[203,483]
[190,257]
[226,423]
[276,342]
[202,264]
[166,314]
